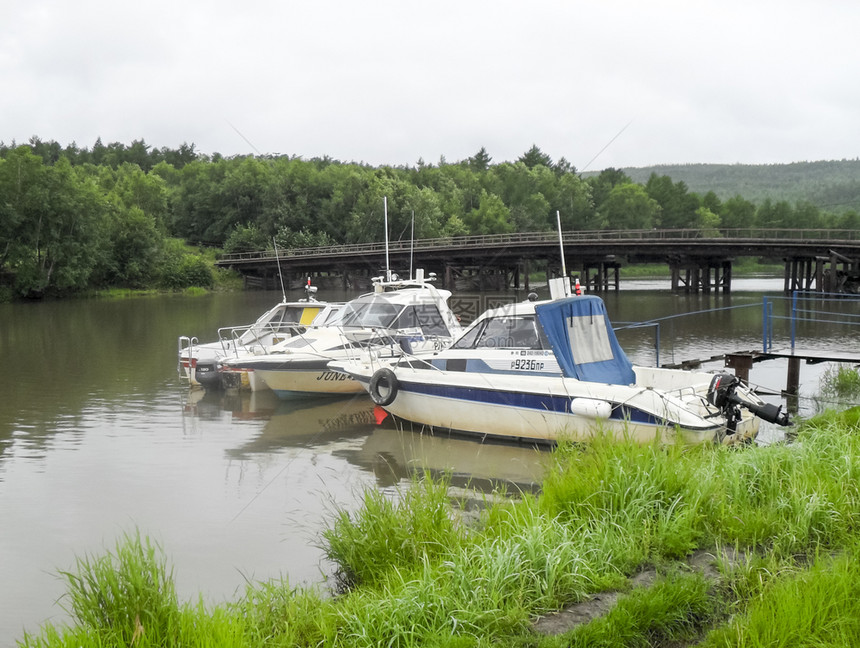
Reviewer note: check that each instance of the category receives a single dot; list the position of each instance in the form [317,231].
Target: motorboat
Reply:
[199,363]
[398,316]
[553,369]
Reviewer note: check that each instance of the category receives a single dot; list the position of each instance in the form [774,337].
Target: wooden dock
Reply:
[742,362]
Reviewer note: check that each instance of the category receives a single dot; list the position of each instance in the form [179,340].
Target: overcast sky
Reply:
[601,83]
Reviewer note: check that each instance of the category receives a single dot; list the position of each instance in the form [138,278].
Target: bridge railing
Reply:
[570,236]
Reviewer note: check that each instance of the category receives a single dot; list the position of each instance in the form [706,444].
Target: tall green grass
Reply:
[415,575]
[839,386]
[802,605]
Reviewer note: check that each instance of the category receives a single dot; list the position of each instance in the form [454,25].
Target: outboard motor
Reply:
[722,393]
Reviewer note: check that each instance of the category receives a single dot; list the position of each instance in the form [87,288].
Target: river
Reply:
[98,438]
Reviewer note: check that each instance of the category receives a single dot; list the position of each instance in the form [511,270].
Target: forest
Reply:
[134,216]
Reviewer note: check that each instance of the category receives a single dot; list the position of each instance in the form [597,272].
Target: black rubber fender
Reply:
[383,387]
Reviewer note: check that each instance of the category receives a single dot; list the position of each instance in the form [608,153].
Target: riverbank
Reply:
[777,526]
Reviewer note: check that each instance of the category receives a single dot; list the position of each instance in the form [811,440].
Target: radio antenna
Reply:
[617,135]
[280,274]
[387,265]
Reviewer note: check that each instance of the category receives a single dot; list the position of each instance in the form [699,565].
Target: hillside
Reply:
[831,185]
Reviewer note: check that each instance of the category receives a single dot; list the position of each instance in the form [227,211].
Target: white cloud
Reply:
[392,82]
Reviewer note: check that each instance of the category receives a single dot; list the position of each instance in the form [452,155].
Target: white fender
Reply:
[590,407]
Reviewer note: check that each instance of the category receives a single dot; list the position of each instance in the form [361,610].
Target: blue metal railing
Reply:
[803,306]
[656,322]
[800,312]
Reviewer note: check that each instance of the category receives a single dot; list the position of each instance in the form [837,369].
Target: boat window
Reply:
[589,339]
[289,315]
[368,314]
[503,332]
[468,339]
[296,343]
[423,316]
[330,318]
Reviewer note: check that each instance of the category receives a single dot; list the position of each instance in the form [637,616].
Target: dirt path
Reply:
[704,562]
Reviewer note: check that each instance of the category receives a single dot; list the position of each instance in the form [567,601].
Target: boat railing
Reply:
[185,346]
[265,335]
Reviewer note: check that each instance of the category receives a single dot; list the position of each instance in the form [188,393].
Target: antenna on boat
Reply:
[412,245]
[564,280]
[387,266]
[561,243]
[280,275]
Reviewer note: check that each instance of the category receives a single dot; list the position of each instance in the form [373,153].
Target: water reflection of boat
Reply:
[378,445]
[211,404]
[393,453]
[313,422]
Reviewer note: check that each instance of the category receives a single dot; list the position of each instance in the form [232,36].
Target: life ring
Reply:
[383,387]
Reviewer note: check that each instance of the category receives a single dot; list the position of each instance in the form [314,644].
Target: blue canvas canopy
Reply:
[583,341]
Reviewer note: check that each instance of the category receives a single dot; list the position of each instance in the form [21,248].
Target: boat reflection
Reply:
[394,453]
[354,429]
[311,423]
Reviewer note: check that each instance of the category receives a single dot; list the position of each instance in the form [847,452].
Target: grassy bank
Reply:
[414,574]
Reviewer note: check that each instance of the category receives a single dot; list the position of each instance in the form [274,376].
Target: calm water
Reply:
[98,438]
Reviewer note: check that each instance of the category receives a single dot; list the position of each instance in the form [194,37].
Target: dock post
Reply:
[792,383]
[741,363]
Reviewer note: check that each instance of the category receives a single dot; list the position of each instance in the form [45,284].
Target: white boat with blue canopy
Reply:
[554,369]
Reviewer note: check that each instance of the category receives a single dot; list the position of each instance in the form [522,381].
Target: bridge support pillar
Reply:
[701,275]
[835,273]
[605,275]
[803,273]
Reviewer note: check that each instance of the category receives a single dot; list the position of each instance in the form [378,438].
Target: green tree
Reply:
[677,206]
[737,212]
[147,191]
[629,206]
[535,157]
[52,236]
[770,215]
[604,182]
[133,252]
[480,162]
[491,216]
[708,222]
[246,238]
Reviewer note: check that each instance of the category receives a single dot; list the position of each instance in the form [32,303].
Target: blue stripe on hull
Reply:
[526,400]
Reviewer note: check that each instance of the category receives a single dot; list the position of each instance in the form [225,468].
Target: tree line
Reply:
[830,184]
[73,219]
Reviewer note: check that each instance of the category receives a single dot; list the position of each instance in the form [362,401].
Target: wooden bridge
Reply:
[699,260]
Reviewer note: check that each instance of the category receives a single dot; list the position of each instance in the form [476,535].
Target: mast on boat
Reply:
[387,264]
[560,287]
[280,275]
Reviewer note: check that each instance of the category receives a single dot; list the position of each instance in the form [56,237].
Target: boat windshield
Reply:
[369,314]
[384,314]
[424,316]
[282,319]
[504,332]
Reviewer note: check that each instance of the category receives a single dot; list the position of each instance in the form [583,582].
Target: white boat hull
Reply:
[297,383]
[549,409]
